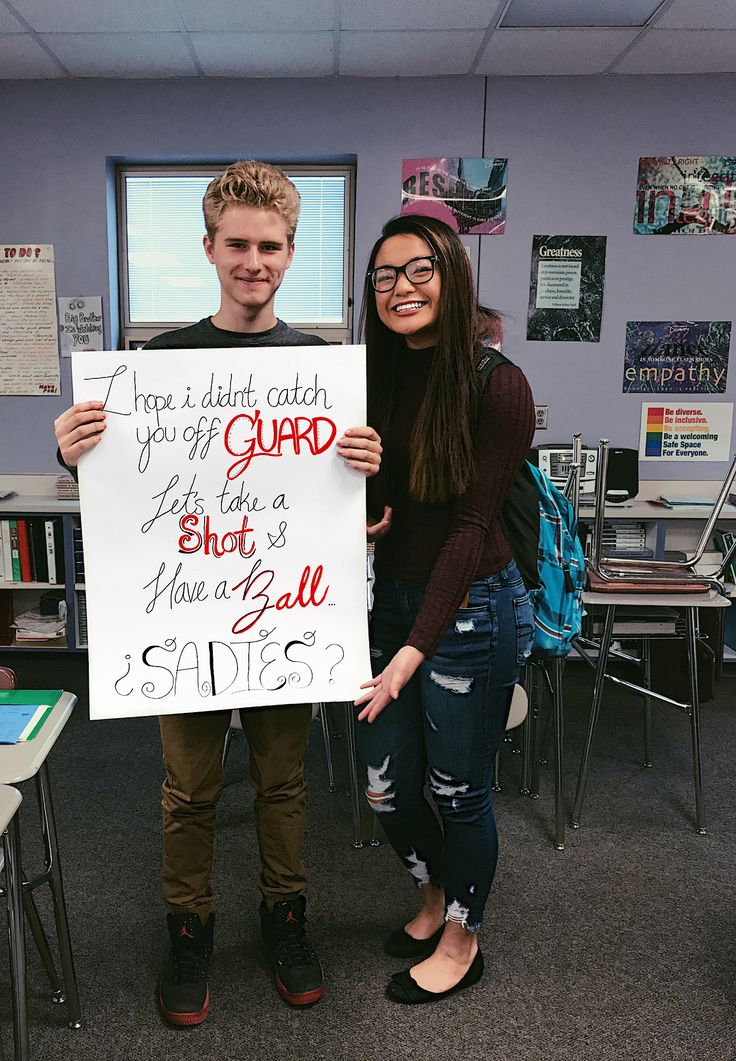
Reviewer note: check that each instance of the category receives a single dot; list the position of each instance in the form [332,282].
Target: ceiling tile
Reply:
[579,13]
[224,16]
[413,14]
[9,23]
[553,51]
[20,57]
[264,54]
[98,16]
[415,54]
[679,52]
[699,14]
[122,54]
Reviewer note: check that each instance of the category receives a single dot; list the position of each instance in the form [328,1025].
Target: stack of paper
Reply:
[32,626]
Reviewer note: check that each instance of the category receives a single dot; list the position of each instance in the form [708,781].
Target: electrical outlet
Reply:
[540,412]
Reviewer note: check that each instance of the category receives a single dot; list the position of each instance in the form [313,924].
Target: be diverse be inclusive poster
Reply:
[689,431]
[684,357]
[566,289]
[240,534]
[469,194]
[686,195]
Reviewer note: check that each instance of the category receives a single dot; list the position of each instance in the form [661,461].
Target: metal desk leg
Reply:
[558,670]
[355,791]
[16,933]
[647,661]
[535,706]
[327,741]
[600,678]
[226,746]
[692,663]
[42,944]
[526,753]
[496,785]
[48,828]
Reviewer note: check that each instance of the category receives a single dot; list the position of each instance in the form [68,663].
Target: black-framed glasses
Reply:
[416,271]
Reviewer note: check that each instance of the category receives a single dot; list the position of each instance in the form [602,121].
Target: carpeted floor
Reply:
[620,947]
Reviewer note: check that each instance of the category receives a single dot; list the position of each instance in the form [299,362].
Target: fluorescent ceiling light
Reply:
[584,13]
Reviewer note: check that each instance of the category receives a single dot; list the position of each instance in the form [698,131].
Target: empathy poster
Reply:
[566,289]
[469,194]
[224,537]
[678,357]
[687,432]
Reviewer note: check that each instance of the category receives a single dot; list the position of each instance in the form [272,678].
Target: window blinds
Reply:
[170,280]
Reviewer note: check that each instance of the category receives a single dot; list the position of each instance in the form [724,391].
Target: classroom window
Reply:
[167,282]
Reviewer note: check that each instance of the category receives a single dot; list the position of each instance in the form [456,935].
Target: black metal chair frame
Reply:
[629,575]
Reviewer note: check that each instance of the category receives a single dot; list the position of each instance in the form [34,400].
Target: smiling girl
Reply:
[451,622]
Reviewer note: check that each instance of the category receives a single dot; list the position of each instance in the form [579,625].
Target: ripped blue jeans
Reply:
[447,726]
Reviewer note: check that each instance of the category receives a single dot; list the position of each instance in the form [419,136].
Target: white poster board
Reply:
[80,324]
[224,538]
[686,431]
[29,341]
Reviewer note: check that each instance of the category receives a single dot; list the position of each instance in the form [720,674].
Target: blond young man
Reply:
[251,213]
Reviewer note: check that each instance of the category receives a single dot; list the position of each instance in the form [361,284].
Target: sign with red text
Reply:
[224,537]
[692,431]
[29,341]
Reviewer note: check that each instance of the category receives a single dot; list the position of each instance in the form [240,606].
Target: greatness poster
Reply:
[686,195]
[676,357]
[469,194]
[566,289]
[224,538]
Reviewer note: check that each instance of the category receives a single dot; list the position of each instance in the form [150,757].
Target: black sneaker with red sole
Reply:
[296,967]
[183,996]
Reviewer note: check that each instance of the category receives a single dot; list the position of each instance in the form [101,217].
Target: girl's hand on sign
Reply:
[377,529]
[78,429]
[360,448]
[387,685]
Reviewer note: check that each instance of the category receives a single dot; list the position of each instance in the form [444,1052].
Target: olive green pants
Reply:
[192,754]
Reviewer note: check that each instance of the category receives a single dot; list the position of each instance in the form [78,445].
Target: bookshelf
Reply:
[34,501]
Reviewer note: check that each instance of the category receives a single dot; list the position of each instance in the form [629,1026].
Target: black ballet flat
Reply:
[402,988]
[401,945]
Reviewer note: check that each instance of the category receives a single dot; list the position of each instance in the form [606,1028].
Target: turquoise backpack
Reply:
[541,529]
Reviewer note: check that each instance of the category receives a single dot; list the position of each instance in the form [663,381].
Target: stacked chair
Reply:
[650,587]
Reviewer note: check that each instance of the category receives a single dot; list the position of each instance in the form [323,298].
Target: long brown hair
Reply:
[441,446]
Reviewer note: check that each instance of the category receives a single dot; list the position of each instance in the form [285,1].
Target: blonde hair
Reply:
[251,184]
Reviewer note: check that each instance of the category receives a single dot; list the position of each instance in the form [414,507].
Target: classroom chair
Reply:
[10,800]
[20,763]
[652,588]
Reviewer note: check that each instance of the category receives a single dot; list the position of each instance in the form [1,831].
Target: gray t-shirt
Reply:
[206,334]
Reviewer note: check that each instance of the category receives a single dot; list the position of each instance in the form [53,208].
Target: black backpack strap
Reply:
[488,359]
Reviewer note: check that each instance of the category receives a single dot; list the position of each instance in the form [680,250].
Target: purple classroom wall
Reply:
[573,145]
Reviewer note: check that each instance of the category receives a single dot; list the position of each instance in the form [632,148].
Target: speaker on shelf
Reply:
[623,472]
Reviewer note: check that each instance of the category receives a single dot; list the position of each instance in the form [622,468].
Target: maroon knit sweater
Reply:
[447,546]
